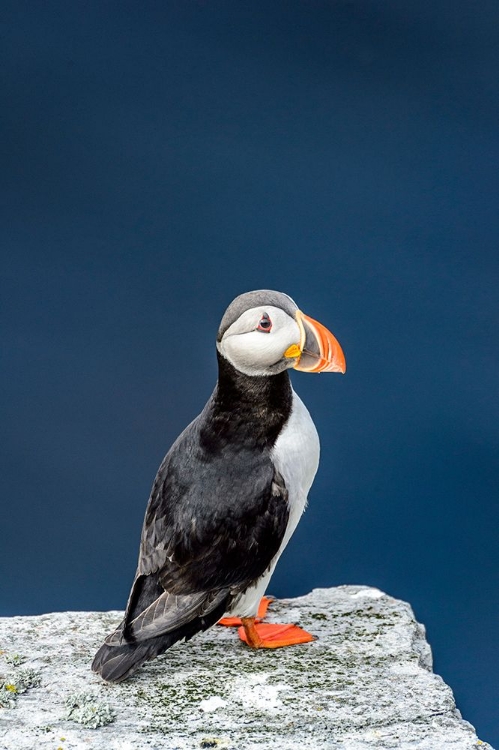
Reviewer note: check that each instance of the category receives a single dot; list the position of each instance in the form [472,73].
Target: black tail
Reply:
[116,663]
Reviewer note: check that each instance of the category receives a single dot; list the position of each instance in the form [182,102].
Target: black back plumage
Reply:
[216,517]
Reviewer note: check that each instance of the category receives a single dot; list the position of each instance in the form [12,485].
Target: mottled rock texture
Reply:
[366,682]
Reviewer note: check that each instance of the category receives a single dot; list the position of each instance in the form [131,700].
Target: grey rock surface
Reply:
[366,682]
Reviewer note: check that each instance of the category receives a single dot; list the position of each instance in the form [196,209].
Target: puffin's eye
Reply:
[265,324]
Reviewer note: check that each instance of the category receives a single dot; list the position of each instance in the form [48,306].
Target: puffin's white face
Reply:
[259,341]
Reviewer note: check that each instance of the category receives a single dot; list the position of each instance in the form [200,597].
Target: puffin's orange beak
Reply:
[318,350]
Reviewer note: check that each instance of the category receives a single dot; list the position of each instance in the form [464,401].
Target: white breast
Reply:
[296,457]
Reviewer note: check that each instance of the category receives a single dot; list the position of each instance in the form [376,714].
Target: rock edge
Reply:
[366,682]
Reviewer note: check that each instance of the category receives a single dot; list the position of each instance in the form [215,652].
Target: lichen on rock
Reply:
[87,709]
[16,683]
[14,660]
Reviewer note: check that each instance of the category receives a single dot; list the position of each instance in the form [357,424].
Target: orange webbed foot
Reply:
[269,635]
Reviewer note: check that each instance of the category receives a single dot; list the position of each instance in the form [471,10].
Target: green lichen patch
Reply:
[7,699]
[177,701]
[25,679]
[318,616]
[15,660]
[86,709]
[16,683]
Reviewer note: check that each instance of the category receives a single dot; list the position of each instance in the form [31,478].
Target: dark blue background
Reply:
[162,157]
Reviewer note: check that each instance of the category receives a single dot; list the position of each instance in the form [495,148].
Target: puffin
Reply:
[230,491]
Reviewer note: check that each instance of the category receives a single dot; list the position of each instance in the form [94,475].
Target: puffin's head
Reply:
[264,333]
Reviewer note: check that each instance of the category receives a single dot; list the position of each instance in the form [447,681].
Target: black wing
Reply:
[214,522]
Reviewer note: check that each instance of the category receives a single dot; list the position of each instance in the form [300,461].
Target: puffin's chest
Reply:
[296,457]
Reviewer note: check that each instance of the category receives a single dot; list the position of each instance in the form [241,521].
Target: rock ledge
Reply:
[366,682]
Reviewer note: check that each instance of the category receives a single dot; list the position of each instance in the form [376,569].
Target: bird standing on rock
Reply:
[230,491]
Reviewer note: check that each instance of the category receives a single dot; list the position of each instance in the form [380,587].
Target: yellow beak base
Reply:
[293,351]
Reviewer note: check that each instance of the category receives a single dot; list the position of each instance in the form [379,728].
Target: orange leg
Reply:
[268,635]
[251,636]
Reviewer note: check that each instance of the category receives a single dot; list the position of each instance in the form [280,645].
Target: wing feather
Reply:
[168,612]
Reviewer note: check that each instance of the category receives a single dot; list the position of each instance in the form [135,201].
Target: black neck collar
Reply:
[246,410]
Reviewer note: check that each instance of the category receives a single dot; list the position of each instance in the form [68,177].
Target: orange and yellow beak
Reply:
[318,350]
